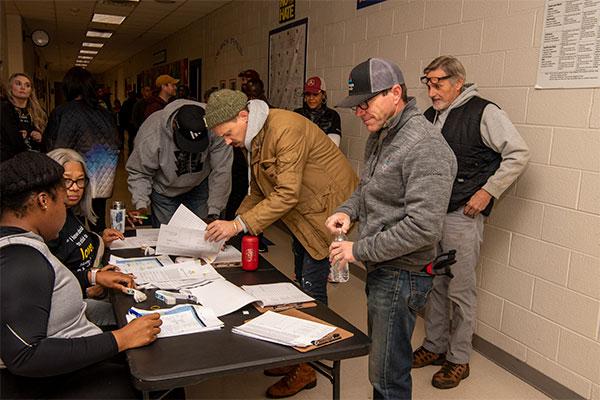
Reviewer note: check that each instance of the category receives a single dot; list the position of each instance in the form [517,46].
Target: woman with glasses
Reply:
[315,109]
[23,117]
[81,250]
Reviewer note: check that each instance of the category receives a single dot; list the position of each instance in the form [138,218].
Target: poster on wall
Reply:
[365,3]
[570,49]
[287,64]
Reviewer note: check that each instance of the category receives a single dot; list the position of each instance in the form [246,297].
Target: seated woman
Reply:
[76,247]
[48,348]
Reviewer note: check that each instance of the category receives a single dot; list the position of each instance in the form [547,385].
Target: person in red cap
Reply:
[166,86]
[315,109]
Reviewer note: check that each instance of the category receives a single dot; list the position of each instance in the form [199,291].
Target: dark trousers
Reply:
[313,273]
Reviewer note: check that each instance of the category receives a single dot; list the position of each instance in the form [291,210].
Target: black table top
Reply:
[188,359]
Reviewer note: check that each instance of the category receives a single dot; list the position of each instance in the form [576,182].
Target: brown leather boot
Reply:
[279,371]
[302,377]
[450,375]
[423,357]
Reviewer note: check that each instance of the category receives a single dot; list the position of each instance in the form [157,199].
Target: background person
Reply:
[400,203]
[166,88]
[314,107]
[48,348]
[491,155]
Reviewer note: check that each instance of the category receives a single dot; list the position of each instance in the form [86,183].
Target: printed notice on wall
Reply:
[570,50]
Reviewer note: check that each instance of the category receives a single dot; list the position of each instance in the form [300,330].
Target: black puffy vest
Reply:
[476,161]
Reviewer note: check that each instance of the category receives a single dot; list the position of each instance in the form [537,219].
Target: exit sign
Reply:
[287,10]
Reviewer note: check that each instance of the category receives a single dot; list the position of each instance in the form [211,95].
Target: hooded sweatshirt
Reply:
[499,134]
[157,164]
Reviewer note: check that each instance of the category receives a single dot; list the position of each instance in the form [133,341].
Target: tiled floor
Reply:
[487,380]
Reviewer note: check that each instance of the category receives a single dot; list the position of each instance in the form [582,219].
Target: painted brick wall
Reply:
[539,274]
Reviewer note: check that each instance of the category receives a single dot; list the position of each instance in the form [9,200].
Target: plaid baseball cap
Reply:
[369,78]
[191,134]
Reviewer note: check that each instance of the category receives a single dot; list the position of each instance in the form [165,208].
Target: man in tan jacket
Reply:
[298,176]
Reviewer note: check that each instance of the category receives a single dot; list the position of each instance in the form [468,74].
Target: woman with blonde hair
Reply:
[29,115]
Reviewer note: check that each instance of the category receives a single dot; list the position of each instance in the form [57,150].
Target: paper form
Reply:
[221,296]
[181,241]
[275,294]
[283,329]
[142,238]
[138,264]
[182,319]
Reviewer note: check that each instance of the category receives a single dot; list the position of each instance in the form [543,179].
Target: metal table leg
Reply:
[331,373]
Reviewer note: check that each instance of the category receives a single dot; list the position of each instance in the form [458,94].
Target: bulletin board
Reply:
[287,64]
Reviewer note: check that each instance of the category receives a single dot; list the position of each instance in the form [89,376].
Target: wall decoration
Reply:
[366,3]
[229,42]
[159,57]
[177,69]
[287,10]
[287,64]
[570,51]
[222,84]
[233,83]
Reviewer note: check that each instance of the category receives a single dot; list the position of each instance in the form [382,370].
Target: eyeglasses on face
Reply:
[434,80]
[365,104]
[79,182]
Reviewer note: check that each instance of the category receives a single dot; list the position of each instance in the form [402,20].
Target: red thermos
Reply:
[249,253]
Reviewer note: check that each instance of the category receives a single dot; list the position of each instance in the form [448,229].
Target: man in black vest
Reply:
[491,155]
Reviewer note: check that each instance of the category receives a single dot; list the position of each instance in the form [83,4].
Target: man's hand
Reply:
[221,230]
[477,203]
[109,235]
[341,252]
[338,221]
[137,216]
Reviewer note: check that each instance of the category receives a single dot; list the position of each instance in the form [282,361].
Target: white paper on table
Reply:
[142,238]
[136,265]
[182,274]
[229,255]
[284,329]
[222,296]
[185,218]
[274,294]
[182,319]
[179,241]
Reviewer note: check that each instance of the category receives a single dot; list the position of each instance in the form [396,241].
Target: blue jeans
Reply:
[163,207]
[313,273]
[393,298]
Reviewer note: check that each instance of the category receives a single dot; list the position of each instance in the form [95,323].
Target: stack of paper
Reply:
[178,276]
[138,264]
[143,238]
[182,319]
[275,294]
[283,329]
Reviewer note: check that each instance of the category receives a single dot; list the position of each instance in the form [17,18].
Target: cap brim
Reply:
[354,100]
[191,146]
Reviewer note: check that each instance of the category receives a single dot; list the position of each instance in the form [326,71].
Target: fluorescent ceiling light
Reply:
[100,34]
[92,44]
[108,19]
[88,51]
[85,57]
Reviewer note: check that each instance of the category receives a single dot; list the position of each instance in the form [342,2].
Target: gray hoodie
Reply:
[499,134]
[156,163]
[403,193]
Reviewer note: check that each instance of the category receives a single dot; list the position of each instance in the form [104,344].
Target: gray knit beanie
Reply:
[224,105]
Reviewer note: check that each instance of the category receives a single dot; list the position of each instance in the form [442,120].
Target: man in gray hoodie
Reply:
[491,155]
[177,160]
[400,204]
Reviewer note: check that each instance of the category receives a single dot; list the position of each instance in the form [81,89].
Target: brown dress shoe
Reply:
[302,377]
[423,357]
[279,371]
[450,375]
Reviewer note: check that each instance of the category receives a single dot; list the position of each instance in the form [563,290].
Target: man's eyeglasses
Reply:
[365,104]
[434,80]
[79,182]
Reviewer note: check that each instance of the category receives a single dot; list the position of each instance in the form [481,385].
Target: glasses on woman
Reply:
[365,104]
[81,182]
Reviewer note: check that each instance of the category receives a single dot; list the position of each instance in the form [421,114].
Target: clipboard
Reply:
[343,334]
[284,307]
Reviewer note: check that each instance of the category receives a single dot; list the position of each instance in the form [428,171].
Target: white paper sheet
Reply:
[142,238]
[179,241]
[138,264]
[182,319]
[222,296]
[283,329]
[274,294]
[228,255]
[185,218]
[178,275]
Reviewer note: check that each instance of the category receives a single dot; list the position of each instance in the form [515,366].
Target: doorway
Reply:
[196,79]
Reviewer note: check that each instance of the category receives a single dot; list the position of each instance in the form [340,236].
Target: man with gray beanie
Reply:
[400,202]
[298,176]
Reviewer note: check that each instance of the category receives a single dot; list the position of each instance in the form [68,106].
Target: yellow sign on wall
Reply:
[287,10]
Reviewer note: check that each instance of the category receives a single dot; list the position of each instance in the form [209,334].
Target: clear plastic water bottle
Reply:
[339,271]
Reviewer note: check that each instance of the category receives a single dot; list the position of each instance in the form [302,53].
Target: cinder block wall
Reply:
[539,275]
